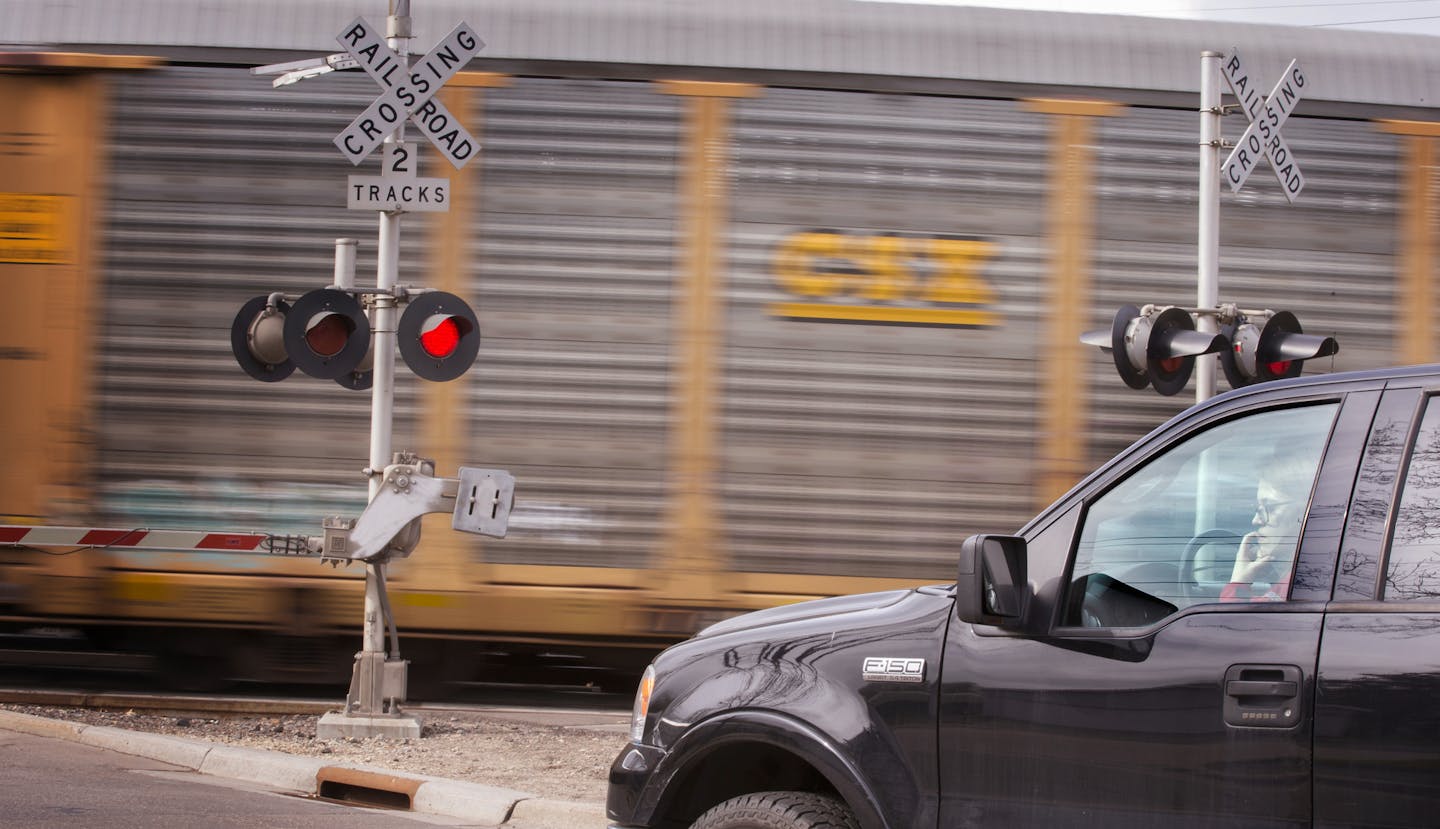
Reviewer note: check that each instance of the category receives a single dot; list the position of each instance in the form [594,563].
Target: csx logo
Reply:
[893,669]
[907,280]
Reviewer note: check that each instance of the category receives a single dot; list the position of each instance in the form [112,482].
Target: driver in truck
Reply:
[1263,562]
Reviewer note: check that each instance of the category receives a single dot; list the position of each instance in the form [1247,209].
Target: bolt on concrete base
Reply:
[338,724]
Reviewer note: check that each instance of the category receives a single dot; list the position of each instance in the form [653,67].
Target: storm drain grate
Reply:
[366,788]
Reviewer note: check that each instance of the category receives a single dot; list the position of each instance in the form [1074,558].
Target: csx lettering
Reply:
[884,268]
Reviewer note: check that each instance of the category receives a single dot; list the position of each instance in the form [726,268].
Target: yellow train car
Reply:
[752,331]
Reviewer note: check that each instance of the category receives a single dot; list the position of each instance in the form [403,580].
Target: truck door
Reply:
[1377,717]
[1148,686]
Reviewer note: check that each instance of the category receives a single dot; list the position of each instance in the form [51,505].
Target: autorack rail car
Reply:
[777,301]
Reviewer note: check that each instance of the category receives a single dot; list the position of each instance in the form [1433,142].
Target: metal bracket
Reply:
[479,501]
[298,70]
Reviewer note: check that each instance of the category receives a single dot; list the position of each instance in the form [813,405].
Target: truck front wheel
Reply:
[778,810]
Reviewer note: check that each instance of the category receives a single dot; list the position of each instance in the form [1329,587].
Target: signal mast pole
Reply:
[378,675]
[329,333]
[1207,293]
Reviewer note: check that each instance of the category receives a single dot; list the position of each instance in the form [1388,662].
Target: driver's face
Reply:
[1277,515]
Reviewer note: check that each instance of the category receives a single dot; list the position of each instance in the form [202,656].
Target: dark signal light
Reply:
[328,337]
[327,333]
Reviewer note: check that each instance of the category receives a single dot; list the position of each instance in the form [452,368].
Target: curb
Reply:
[486,805]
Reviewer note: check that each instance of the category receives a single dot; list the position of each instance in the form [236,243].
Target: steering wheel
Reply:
[1194,562]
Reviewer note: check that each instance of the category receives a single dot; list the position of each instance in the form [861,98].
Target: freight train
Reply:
[777,301]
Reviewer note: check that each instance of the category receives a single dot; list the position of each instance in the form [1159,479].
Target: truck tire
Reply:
[778,810]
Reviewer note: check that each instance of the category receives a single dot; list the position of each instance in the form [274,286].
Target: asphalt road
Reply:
[58,784]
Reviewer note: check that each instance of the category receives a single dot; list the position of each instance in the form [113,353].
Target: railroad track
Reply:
[559,701]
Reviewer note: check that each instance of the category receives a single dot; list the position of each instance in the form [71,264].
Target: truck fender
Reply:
[775,729]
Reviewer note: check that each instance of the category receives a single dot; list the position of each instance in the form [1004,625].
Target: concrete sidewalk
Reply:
[474,802]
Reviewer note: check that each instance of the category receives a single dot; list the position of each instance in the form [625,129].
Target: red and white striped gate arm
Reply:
[143,538]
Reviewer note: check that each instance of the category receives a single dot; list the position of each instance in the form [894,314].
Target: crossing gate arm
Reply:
[145,538]
[479,501]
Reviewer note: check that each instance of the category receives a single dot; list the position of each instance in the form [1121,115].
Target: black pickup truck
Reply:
[1235,622]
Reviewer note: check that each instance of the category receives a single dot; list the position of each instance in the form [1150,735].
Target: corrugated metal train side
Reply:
[742,343]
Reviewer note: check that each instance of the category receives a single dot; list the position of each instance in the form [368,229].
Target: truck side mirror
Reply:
[992,588]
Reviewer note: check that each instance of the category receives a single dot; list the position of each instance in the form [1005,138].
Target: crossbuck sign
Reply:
[408,93]
[1262,137]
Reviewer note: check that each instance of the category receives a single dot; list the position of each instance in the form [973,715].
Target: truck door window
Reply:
[1413,572]
[1216,517]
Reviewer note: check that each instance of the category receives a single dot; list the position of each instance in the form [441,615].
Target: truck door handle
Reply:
[1260,688]
[1262,696]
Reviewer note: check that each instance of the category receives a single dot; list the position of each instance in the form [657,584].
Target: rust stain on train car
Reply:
[51,158]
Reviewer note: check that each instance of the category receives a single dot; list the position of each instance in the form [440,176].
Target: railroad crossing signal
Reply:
[1262,138]
[1158,345]
[1270,351]
[326,334]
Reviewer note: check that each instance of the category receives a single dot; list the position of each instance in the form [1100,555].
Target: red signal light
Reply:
[441,338]
[438,336]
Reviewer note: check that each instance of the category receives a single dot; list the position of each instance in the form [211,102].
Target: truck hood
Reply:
[805,610]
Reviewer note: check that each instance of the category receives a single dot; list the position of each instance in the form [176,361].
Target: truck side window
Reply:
[1413,572]
[1216,517]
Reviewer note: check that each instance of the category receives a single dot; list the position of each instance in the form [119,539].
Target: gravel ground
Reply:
[514,751]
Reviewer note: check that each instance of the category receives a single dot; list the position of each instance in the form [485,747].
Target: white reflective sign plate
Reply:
[408,93]
[411,194]
[1266,115]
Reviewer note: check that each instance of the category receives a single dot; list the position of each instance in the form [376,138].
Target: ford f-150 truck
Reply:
[1235,622]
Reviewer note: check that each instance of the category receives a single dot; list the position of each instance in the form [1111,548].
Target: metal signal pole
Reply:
[380,676]
[1207,293]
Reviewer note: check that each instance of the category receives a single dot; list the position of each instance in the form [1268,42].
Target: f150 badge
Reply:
[893,669]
